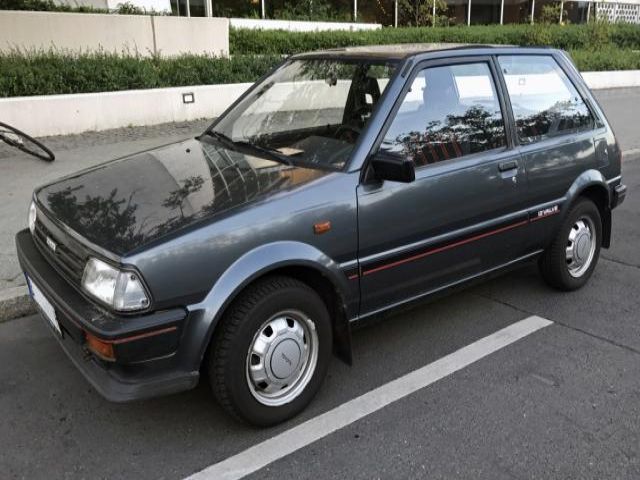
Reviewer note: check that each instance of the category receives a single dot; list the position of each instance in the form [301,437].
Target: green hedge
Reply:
[52,73]
[609,58]
[593,35]
[46,6]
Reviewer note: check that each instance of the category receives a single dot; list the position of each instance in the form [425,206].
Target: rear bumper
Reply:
[146,347]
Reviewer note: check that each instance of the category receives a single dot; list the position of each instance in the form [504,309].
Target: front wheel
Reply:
[570,260]
[271,351]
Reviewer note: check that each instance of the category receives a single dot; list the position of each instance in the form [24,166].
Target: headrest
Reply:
[370,85]
[439,86]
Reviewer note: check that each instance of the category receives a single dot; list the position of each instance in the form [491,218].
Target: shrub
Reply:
[46,6]
[609,58]
[625,35]
[551,14]
[128,8]
[420,13]
[318,10]
[125,8]
[48,73]
[591,36]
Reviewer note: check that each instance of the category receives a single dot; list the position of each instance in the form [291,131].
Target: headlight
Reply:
[121,290]
[32,217]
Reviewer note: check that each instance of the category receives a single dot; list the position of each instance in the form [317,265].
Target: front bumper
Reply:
[146,347]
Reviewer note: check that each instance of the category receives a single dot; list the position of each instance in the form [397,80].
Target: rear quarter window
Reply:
[544,101]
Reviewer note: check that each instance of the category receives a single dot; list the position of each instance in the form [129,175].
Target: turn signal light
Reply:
[320,228]
[102,349]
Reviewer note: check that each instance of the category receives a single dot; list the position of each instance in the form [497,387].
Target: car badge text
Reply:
[548,211]
[51,244]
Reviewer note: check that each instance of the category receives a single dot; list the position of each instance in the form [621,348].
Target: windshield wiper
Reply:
[225,139]
[247,147]
[272,154]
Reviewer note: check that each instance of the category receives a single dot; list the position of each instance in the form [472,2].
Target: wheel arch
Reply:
[295,259]
[592,185]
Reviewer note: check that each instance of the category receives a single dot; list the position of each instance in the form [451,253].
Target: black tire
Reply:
[553,263]
[26,143]
[228,361]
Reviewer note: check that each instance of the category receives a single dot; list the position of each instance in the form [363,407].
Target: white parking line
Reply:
[262,454]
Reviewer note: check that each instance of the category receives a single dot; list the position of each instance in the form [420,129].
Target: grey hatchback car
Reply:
[341,185]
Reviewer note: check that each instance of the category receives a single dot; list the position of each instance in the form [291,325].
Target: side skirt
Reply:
[442,291]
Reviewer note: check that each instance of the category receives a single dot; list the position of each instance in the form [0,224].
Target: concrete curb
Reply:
[15,303]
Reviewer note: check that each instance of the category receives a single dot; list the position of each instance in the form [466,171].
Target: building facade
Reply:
[400,13]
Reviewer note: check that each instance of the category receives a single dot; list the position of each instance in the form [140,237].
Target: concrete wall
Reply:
[178,35]
[65,114]
[629,78]
[299,26]
[144,34]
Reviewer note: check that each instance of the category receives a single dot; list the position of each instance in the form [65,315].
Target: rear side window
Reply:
[545,103]
[448,112]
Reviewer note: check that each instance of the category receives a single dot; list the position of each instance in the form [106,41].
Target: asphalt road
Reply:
[561,403]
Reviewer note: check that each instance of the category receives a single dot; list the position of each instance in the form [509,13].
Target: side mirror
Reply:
[394,167]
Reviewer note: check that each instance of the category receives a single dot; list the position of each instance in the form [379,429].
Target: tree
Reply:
[419,13]
[551,14]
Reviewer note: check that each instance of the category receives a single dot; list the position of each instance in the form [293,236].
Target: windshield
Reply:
[309,111]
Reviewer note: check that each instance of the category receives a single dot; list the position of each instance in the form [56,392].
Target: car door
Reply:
[554,127]
[462,213]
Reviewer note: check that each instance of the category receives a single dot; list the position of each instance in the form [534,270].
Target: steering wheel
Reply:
[350,132]
[347,133]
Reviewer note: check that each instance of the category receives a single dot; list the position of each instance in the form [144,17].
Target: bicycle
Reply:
[20,140]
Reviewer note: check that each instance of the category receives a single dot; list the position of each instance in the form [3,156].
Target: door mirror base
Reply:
[393,167]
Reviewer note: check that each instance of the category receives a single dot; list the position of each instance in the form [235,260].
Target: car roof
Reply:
[405,50]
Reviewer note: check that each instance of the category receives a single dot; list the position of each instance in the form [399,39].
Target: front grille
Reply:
[69,263]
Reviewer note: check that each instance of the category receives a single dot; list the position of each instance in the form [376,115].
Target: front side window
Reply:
[545,103]
[310,111]
[448,112]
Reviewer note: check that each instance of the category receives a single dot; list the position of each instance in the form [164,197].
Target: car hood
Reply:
[127,203]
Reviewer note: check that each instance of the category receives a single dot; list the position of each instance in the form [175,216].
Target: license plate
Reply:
[45,306]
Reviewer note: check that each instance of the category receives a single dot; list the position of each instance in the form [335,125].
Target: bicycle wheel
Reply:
[20,140]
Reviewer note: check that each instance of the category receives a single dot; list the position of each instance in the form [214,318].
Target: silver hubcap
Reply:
[581,247]
[282,358]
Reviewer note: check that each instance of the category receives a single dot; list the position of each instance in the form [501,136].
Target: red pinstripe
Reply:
[153,333]
[444,248]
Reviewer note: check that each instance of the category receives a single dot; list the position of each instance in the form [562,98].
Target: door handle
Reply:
[506,166]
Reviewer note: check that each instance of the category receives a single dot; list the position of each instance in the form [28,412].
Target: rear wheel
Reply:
[570,260]
[271,351]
